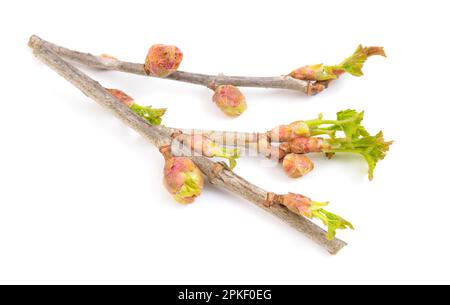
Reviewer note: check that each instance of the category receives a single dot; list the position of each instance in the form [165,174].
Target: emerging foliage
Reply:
[304,206]
[332,221]
[352,65]
[152,115]
[356,140]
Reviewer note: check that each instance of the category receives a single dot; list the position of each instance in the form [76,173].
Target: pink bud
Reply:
[310,73]
[162,60]
[289,132]
[296,165]
[298,204]
[201,144]
[122,96]
[308,145]
[317,87]
[230,100]
[183,179]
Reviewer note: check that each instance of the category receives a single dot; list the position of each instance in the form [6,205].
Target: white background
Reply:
[81,198]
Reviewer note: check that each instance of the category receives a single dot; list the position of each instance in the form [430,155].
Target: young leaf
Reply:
[152,115]
[355,62]
[332,221]
[228,153]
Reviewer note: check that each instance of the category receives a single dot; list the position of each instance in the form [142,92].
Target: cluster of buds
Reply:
[301,137]
[162,60]
[305,207]
[152,115]
[229,99]
[182,178]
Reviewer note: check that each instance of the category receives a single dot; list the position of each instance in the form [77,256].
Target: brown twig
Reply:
[109,63]
[257,142]
[217,174]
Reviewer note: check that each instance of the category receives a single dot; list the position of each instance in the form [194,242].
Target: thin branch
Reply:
[257,142]
[217,174]
[108,63]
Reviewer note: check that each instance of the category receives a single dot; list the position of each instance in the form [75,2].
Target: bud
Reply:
[304,206]
[298,204]
[162,60]
[296,165]
[312,73]
[230,100]
[122,96]
[208,148]
[352,64]
[152,115]
[183,179]
[289,132]
[317,87]
[308,145]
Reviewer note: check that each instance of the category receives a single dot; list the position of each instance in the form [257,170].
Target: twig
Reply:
[217,174]
[258,142]
[107,63]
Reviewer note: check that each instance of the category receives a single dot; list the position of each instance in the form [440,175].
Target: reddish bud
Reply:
[308,145]
[230,100]
[162,60]
[183,179]
[289,132]
[208,148]
[296,165]
[298,204]
[314,88]
[310,73]
[122,96]
[304,206]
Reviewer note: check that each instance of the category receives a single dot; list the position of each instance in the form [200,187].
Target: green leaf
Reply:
[351,122]
[332,221]
[152,115]
[190,186]
[355,62]
[372,148]
[228,153]
[347,121]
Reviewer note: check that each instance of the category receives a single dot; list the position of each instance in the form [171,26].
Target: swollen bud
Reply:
[304,206]
[162,60]
[208,148]
[230,100]
[308,145]
[298,204]
[183,179]
[296,165]
[352,64]
[313,73]
[284,133]
[122,96]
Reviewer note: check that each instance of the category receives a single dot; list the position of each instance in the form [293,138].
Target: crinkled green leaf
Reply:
[352,122]
[228,153]
[190,186]
[355,62]
[372,148]
[347,121]
[332,221]
[152,115]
